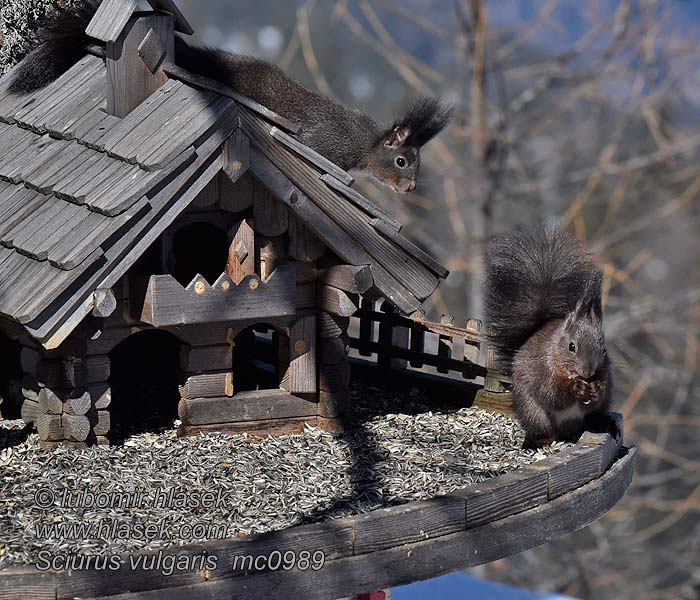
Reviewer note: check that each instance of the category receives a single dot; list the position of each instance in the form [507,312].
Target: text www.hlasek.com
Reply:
[121,530]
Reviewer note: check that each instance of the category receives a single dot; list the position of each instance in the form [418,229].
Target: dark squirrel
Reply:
[543,305]
[348,137]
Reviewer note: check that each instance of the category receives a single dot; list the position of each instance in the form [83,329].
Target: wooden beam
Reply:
[270,215]
[104,303]
[238,196]
[208,385]
[335,301]
[312,156]
[420,255]
[216,86]
[300,377]
[303,244]
[356,279]
[244,406]
[152,51]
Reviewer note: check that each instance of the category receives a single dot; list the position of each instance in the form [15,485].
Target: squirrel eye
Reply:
[572,347]
[401,162]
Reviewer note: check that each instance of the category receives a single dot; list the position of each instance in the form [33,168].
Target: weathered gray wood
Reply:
[236,155]
[33,583]
[244,406]
[332,404]
[306,271]
[168,202]
[335,301]
[300,377]
[504,495]
[266,427]
[105,303]
[49,427]
[334,350]
[312,156]
[350,278]
[208,385]
[306,211]
[110,19]
[445,341]
[209,196]
[395,526]
[206,358]
[76,427]
[270,215]
[152,51]
[422,559]
[30,411]
[306,296]
[70,374]
[168,304]
[169,7]
[400,269]
[106,340]
[366,327]
[129,81]
[574,467]
[101,423]
[331,326]
[50,403]
[472,351]
[390,337]
[272,255]
[335,378]
[417,343]
[101,395]
[78,403]
[241,254]
[303,244]
[361,202]
[410,248]
[215,86]
[238,196]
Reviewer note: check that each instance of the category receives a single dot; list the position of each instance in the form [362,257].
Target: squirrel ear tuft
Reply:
[591,301]
[423,121]
[397,137]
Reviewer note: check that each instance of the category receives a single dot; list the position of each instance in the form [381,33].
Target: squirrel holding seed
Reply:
[349,138]
[543,305]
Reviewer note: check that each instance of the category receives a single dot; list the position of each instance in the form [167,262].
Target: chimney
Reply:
[134,59]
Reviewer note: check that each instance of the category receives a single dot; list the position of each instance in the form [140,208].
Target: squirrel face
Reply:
[395,157]
[581,350]
[395,166]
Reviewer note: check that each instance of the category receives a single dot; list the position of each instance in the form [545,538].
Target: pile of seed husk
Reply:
[396,448]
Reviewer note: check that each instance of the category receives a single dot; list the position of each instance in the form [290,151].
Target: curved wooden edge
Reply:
[375,550]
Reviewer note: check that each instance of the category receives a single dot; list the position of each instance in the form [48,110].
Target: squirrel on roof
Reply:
[348,137]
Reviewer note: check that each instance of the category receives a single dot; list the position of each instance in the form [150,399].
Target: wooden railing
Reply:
[412,342]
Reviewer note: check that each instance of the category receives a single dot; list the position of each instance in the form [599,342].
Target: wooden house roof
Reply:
[83,194]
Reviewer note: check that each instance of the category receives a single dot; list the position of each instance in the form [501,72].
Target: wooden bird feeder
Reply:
[136,197]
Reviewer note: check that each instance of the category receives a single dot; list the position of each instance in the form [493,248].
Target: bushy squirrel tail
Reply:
[532,277]
[59,42]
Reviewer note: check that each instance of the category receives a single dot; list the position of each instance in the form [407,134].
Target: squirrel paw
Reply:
[536,443]
[601,423]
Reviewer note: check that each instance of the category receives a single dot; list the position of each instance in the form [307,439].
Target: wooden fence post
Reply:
[445,342]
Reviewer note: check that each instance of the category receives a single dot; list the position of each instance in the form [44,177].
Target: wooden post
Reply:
[418,338]
[472,351]
[391,336]
[445,342]
[129,79]
[366,327]
[300,377]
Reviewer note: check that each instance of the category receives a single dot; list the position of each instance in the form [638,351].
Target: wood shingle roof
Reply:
[83,194]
